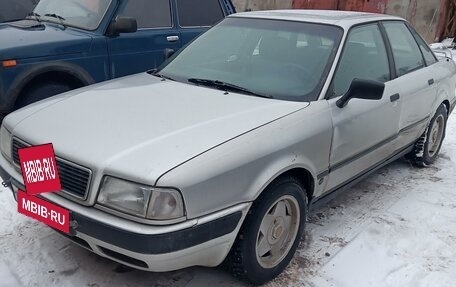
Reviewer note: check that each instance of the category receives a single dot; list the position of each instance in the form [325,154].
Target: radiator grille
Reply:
[75,179]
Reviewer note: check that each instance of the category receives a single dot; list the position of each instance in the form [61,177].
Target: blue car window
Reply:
[149,14]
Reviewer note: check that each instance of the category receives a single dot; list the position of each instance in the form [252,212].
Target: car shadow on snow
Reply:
[329,229]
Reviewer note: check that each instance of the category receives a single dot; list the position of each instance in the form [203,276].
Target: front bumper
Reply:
[203,241]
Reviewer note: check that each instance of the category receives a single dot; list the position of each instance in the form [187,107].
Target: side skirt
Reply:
[327,197]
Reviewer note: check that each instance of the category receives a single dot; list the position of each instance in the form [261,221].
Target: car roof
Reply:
[344,19]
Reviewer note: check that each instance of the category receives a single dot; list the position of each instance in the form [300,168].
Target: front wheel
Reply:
[40,92]
[271,232]
[428,145]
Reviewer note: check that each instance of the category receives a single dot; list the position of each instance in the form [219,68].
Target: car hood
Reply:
[40,40]
[140,127]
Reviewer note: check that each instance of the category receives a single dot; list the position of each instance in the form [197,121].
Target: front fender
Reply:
[29,74]
[239,170]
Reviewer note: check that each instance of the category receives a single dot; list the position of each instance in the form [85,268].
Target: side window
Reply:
[149,14]
[197,13]
[428,55]
[407,54]
[364,57]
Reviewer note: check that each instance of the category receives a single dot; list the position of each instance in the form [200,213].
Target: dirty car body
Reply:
[171,165]
[67,44]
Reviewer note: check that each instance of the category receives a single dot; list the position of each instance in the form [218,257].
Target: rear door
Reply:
[417,82]
[196,16]
[145,49]
[365,131]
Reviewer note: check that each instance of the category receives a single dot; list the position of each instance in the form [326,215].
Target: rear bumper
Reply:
[203,241]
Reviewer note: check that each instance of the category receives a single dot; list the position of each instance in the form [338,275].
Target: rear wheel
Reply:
[271,232]
[42,91]
[428,145]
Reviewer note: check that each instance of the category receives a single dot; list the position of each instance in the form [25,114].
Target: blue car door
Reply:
[144,50]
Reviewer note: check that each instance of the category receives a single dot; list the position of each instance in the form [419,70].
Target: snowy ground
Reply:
[396,228]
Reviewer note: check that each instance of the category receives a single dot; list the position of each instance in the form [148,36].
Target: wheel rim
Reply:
[436,135]
[278,231]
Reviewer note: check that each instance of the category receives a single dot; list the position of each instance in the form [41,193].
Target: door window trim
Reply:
[327,95]
[415,34]
[193,27]
[171,10]
[389,51]
[408,29]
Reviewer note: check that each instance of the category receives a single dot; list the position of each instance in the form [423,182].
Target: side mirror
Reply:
[362,89]
[123,25]
[169,52]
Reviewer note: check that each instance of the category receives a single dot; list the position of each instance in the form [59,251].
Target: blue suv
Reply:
[11,10]
[67,44]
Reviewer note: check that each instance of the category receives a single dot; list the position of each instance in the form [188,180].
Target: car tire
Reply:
[428,146]
[41,92]
[270,233]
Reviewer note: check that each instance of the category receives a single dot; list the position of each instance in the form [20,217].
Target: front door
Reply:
[365,130]
[145,49]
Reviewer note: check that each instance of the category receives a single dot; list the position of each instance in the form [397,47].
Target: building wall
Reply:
[374,6]
[252,5]
[321,4]
[423,15]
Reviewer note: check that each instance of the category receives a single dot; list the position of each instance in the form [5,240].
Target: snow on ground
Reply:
[395,228]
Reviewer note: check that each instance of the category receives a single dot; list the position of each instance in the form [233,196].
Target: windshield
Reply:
[84,14]
[280,59]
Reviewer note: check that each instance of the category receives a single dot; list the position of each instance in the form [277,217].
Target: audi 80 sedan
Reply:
[218,155]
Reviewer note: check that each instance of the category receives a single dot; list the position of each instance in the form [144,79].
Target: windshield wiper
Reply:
[61,19]
[35,15]
[154,73]
[226,87]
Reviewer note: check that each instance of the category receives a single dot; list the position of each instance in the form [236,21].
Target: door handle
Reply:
[395,97]
[172,39]
[431,82]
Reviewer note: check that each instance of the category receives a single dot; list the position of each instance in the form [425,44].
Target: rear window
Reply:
[406,52]
[196,13]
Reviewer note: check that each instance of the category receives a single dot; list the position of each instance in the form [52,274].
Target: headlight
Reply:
[165,204]
[5,142]
[141,200]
